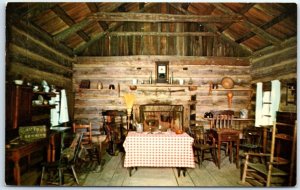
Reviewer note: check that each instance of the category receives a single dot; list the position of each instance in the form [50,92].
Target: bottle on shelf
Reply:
[150,78]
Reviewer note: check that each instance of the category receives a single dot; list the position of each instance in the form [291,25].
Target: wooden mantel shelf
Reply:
[162,85]
[233,89]
[169,86]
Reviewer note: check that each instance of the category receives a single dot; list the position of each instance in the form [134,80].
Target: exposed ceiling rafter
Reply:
[83,23]
[265,26]
[255,29]
[112,27]
[69,21]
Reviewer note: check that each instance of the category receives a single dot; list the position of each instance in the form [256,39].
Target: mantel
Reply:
[169,86]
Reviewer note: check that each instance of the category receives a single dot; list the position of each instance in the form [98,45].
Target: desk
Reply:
[16,152]
[227,135]
[165,149]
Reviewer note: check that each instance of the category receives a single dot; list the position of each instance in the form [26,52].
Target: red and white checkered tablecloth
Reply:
[166,149]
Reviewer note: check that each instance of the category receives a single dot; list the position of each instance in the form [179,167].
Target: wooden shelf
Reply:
[44,106]
[49,94]
[157,86]
[164,85]
[235,89]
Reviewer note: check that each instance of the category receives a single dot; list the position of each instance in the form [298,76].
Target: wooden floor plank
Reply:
[112,173]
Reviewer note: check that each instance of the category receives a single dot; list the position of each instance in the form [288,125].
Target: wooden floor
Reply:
[112,173]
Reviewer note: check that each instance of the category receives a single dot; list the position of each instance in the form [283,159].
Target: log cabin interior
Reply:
[159,87]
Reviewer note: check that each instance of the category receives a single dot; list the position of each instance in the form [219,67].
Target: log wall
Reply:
[277,63]
[134,38]
[34,58]
[122,70]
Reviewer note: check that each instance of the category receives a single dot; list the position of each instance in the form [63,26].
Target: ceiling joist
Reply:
[161,34]
[154,17]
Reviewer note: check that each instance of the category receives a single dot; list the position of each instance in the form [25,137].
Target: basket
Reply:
[227,83]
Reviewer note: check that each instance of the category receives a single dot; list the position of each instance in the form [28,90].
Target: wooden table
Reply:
[165,149]
[227,135]
[16,152]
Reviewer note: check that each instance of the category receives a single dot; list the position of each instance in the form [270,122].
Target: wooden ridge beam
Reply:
[257,30]
[155,17]
[213,29]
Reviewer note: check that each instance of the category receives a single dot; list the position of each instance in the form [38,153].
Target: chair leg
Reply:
[60,176]
[74,173]
[245,169]
[42,175]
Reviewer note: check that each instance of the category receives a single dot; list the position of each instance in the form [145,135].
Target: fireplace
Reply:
[161,116]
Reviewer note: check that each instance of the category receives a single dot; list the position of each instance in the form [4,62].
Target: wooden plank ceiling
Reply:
[250,26]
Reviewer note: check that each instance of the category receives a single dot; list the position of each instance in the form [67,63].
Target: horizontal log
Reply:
[36,64]
[192,60]
[270,49]
[37,76]
[289,66]
[45,38]
[34,56]
[26,41]
[275,57]
[154,17]
[125,33]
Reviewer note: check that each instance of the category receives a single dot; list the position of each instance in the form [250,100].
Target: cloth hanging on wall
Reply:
[258,109]
[267,103]
[275,99]
[64,114]
[54,113]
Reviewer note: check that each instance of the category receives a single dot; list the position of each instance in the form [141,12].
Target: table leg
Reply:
[130,169]
[179,169]
[237,153]
[219,154]
[17,175]
[230,151]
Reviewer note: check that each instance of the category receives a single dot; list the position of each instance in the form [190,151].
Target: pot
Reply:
[152,122]
[165,118]
[139,128]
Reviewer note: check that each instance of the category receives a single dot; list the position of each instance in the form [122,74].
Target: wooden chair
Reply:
[67,160]
[203,143]
[272,171]
[252,139]
[224,133]
[93,149]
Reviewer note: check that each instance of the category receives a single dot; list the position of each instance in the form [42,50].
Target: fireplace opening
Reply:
[161,117]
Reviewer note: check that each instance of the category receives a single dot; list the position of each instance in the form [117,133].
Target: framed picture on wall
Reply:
[162,71]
